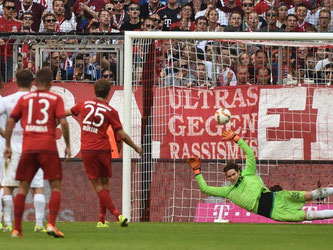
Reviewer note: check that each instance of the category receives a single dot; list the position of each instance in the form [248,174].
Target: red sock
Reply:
[105,199]
[54,206]
[102,212]
[19,203]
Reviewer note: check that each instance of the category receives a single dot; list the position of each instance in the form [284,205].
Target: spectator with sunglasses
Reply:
[149,8]
[8,24]
[247,7]
[119,16]
[49,22]
[108,75]
[27,22]
[36,9]
[135,22]
[271,17]
[158,22]
[148,25]
[82,10]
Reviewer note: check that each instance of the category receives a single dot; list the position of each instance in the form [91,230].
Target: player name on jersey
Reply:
[35,128]
[90,129]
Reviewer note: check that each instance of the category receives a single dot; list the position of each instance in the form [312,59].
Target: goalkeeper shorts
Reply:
[287,206]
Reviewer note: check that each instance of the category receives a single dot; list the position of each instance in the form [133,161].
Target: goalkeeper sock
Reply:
[54,206]
[19,204]
[106,200]
[7,209]
[319,215]
[320,193]
[39,203]
[102,212]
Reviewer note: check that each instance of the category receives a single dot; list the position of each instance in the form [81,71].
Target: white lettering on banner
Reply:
[292,99]
[193,126]
[74,126]
[220,211]
[207,150]
[323,102]
[189,99]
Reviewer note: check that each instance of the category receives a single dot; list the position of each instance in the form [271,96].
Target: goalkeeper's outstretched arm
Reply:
[250,165]
[195,164]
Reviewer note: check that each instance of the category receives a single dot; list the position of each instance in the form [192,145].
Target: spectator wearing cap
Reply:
[186,21]
[169,14]
[300,11]
[211,4]
[271,17]
[150,8]
[308,18]
[134,23]
[282,14]
[82,9]
[36,9]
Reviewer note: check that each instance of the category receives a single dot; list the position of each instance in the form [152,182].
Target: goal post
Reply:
[162,169]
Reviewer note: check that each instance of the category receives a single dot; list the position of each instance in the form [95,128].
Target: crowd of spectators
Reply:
[257,65]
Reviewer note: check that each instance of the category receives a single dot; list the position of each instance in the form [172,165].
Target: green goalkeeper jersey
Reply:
[247,191]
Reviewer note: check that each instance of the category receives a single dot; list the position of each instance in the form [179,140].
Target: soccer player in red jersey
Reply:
[39,112]
[96,116]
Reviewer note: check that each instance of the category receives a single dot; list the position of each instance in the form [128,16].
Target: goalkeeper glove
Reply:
[230,135]
[194,163]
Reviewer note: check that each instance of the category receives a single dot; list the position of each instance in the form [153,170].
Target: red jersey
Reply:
[9,26]
[38,112]
[96,117]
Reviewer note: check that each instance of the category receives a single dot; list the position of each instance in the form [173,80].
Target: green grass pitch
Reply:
[171,236]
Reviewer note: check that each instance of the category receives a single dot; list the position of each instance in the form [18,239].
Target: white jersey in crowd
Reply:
[7,104]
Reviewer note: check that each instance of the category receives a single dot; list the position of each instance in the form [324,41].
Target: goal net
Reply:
[278,89]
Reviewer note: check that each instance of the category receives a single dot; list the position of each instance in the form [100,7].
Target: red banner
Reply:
[277,122]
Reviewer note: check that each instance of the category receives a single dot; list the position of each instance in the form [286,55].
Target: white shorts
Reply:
[10,173]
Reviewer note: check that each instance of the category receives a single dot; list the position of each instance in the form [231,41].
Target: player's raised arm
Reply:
[127,139]
[250,165]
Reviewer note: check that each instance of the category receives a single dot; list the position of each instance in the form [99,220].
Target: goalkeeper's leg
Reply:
[319,215]
[318,193]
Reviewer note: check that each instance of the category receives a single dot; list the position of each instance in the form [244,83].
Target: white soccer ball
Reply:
[222,116]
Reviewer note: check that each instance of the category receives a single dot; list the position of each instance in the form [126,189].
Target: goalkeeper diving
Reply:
[246,189]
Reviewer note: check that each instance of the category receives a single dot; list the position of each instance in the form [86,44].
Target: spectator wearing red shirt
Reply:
[96,115]
[8,24]
[186,22]
[38,112]
[301,12]
[36,9]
